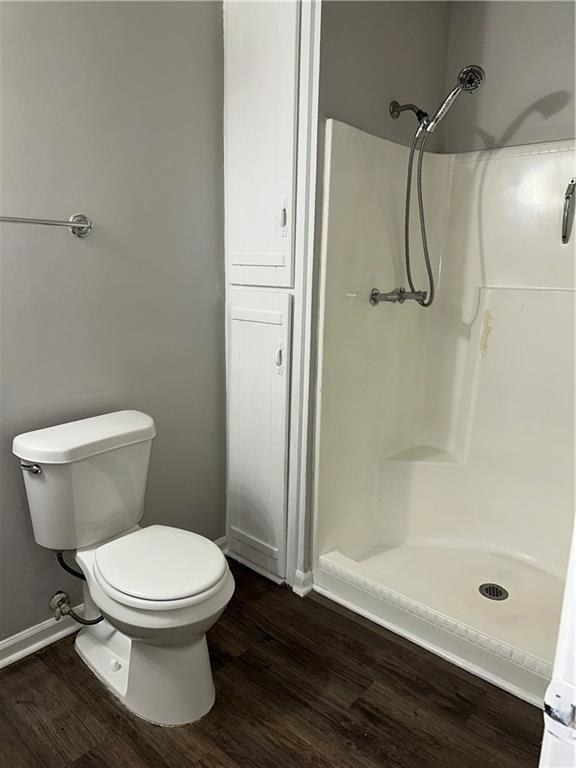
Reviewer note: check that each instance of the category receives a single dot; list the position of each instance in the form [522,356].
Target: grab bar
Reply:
[568,211]
[78,225]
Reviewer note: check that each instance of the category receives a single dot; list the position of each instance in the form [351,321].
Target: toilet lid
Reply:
[161,563]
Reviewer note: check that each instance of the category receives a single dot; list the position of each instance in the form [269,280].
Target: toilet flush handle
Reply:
[34,468]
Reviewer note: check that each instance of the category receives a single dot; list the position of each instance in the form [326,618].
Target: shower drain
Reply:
[493,591]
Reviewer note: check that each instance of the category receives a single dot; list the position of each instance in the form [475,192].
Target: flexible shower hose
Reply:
[430,297]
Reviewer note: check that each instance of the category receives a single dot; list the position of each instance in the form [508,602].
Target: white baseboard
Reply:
[257,568]
[222,542]
[302,583]
[34,638]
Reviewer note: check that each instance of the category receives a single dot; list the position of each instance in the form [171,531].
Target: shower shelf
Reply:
[426,453]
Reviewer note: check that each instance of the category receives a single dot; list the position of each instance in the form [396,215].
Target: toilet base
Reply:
[166,685]
[107,652]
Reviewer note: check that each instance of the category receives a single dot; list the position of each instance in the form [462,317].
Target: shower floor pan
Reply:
[430,594]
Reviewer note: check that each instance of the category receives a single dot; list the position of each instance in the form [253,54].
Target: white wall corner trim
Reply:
[34,638]
[303,583]
[297,558]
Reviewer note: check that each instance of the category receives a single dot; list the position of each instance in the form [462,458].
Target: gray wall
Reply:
[113,109]
[375,52]
[527,50]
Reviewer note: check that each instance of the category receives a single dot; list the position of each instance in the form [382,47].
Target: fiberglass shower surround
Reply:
[444,446]
[469,80]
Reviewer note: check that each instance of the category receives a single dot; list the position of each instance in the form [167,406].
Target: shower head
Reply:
[469,79]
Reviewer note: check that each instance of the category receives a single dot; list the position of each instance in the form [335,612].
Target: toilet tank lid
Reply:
[77,440]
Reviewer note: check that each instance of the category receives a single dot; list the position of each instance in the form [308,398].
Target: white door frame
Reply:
[298,569]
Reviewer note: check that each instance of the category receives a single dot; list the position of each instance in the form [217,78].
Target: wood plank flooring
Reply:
[300,682]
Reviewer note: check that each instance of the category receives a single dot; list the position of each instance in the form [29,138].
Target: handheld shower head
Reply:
[469,79]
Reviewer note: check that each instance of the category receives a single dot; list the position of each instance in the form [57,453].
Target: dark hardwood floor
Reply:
[300,682]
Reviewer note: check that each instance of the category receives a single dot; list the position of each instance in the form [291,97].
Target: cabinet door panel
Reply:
[261,43]
[258,387]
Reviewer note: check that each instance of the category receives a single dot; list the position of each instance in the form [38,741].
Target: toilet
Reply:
[159,589]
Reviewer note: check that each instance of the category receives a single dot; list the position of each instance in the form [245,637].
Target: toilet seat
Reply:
[159,568]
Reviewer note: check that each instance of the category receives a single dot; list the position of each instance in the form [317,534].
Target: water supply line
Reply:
[60,605]
[60,602]
[67,568]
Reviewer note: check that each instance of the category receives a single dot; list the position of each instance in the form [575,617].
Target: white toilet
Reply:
[159,588]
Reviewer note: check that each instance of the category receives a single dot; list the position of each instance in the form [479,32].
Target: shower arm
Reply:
[396,109]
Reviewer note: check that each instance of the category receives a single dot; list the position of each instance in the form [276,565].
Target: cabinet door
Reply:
[260,49]
[258,386]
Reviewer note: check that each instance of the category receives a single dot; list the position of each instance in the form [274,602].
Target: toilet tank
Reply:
[86,480]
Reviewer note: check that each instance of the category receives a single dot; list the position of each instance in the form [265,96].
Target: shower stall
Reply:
[444,495]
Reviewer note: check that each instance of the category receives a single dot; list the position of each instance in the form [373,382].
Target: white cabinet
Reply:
[258,389]
[263,66]
[260,92]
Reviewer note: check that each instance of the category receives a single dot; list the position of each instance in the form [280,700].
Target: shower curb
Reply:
[521,659]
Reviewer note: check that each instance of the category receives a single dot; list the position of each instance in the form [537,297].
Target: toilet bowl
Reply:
[159,589]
